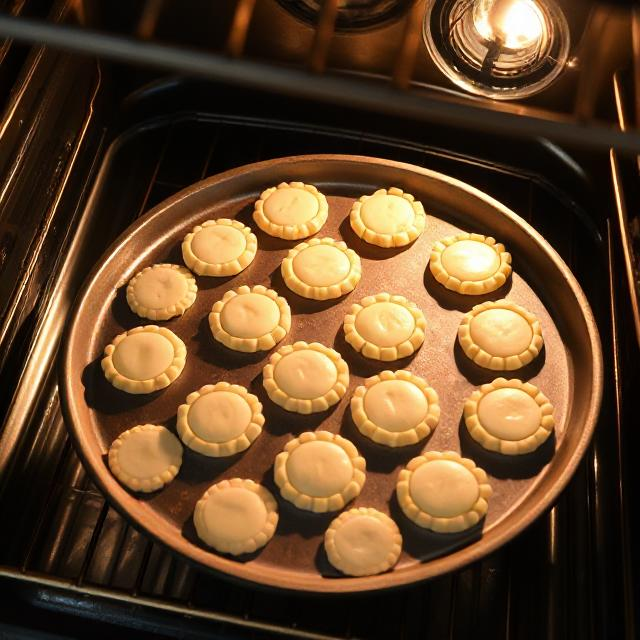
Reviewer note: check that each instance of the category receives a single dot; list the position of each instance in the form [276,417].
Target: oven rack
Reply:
[70,551]
[314,73]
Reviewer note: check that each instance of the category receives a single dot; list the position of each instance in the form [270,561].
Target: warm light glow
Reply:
[518,23]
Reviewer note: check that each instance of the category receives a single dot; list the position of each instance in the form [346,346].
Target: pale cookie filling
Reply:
[161,291]
[385,324]
[500,335]
[387,214]
[142,356]
[219,416]
[470,260]
[236,516]
[220,420]
[218,244]
[443,492]
[509,416]
[250,319]
[291,206]
[145,458]
[363,542]
[291,210]
[321,269]
[220,247]
[321,265]
[395,405]
[306,378]
[470,263]
[443,488]
[501,332]
[385,327]
[319,471]
[388,218]
[305,374]
[395,408]
[144,359]
[250,316]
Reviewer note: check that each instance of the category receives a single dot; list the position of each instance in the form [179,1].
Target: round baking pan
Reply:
[569,370]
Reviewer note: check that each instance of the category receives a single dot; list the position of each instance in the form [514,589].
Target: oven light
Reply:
[516,24]
[501,49]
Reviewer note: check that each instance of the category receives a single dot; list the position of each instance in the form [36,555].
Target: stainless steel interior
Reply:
[85,148]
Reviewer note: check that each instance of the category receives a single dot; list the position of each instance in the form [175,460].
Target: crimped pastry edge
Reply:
[391,438]
[305,502]
[293,231]
[386,240]
[303,405]
[508,447]
[152,384]
[250,345]
[470,287]
[230,447]
[452,524]
[336,290]
[373,351]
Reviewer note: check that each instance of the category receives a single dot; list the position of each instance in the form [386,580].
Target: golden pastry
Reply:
[236,516]
[385,327]
[145,458]
[161,291]
[443,492]
[319,471]
[144,359]
[395,408]
[470,263]
[291,211]
[500,335]
[220,419]
[321,269]
[509,416]
[306,378]
[250,319]
[363,542]
[388,218]
[220,247]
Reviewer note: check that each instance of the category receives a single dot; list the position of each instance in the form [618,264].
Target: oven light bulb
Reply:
[516,24]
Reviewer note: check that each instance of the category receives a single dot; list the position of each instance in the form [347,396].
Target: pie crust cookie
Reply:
[144,359]
[443,492]
[145,458]
[470,263]
[388,218]
[500,335]
[306,378]
[319,471]
[250,319]
[385,327]
[292,210]
[509,416]
[220,247]
[363,542]
[161,291]
[220,420]
[395,408]
[236,516]
[321,269]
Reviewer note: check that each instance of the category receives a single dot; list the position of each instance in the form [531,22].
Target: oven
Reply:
[109,108]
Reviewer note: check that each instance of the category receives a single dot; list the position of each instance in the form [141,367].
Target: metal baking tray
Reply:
[569,370]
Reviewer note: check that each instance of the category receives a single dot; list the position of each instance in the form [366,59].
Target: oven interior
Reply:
[87,147]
